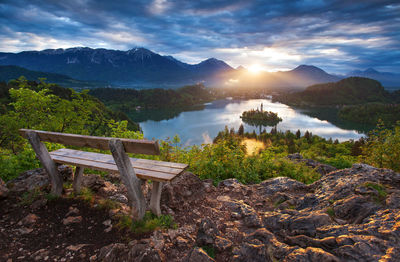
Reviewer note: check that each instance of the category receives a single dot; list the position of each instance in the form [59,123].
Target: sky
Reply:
[338,36]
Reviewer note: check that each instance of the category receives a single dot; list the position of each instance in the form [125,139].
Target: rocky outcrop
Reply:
[348,215]
[183,192]
[36,178]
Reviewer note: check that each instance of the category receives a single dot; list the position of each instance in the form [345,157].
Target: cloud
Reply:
[338,35]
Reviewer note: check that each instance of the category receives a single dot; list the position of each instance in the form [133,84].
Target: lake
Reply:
[202,125]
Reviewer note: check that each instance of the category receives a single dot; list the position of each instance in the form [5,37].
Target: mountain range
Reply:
[140,67]
[387,79]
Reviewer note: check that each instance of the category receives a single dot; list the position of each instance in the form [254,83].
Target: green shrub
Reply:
[149,223]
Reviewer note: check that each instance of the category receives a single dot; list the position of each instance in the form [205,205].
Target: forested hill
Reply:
[349,91]
[9,72]
[127,99]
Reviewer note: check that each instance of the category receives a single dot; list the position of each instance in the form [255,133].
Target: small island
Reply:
[260,117]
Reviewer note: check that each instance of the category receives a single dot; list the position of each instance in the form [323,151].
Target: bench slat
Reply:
[104,158]
[141,173]
[131,145]
[72,152]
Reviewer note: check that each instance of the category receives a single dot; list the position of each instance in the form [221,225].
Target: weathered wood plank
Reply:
[131,145]
[141,173]
[155,198]
[78,175]
[104,158]
[70,152]
[128,176]
[48,163]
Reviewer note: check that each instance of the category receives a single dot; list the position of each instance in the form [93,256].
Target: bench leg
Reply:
[155,198]
[78,175]
[129,178]
[48,163]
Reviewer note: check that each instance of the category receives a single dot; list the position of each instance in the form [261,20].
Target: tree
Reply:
[307,136]
[241,130]
[382,148]
[298,134]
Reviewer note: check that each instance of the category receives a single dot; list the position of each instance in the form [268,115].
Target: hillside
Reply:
[128,99]
[349,91]
[10,72]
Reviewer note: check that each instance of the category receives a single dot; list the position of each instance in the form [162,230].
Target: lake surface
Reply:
[202,125]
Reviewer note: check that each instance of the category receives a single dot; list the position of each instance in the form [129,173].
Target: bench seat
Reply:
[144,168]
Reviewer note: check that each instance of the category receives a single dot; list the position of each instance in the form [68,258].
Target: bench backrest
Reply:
[131,145]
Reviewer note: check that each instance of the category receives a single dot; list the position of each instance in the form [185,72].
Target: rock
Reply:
[24,230]
[107,222]
[206,233]
[72,220]
[119,198]
[231,182]
[75,248]
[310,254]
[222,244]
[280,184]
[393,201]
[92,181]
[40,254]
[108,189]
[72,211]
[307,224]
[113,178]
[39,204]
[157,240]
[143,252]
[113,253]
[354,209]
[182,192]
[181,242]
[243,211]
[254,251]
[3,190]
[35,178]
[197,255]
[28,220]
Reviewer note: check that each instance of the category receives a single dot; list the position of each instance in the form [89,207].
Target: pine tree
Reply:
[298,134]
[241,130]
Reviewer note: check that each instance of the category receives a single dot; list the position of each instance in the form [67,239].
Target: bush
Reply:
[383,147]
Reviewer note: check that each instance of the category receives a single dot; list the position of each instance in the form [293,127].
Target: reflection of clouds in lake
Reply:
[206,138]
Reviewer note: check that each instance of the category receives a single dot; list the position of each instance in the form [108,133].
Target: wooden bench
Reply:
[132,170]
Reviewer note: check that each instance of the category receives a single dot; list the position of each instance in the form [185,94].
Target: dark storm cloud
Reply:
[336,35]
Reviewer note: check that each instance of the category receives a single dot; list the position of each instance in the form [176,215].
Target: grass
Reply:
[330,212]
[209,250]
[86,194]
[379,188]
[280,201]
[51,197]
[108,204]
[29,197]
[149,223]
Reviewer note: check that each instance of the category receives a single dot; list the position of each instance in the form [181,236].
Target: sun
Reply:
[255,68]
